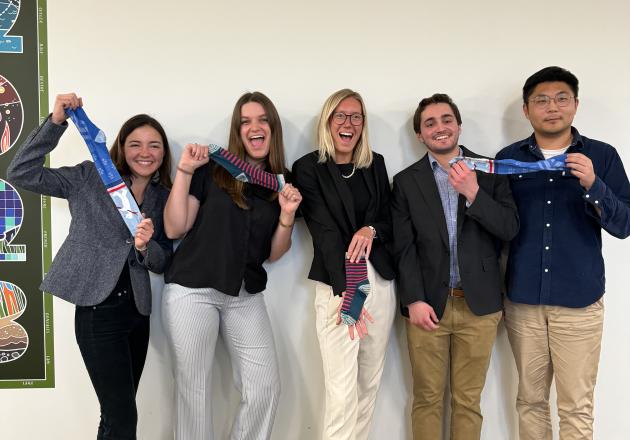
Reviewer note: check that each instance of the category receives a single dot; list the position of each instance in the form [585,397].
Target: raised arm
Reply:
[181,208]
[289,200]
[27,167]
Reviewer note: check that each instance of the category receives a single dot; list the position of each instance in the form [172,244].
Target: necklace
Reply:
[354,168]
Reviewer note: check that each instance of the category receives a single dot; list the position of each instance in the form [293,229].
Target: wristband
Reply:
[285,225]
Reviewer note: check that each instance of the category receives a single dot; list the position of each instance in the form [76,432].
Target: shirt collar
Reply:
[433,161]
[577,143]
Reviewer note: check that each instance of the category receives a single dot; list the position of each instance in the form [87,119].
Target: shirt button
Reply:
[94,308]
[548,225]
[587,196]
[551,180]
[546,270]
[596,202]
[119,294]
[546,248]
[548,202]
[520,176]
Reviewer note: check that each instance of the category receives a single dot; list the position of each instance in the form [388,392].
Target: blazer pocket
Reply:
[73,271]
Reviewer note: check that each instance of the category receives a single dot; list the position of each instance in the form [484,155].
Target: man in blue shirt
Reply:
[555,279]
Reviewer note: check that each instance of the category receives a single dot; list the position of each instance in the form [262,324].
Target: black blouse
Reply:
[226,245]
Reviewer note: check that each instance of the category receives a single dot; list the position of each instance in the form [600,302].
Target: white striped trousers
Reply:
[193,319]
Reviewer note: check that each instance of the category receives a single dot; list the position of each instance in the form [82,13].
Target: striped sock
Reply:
[357,290]
[243,171]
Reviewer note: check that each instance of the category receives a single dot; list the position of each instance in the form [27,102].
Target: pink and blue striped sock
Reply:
[357,290]
[243,171]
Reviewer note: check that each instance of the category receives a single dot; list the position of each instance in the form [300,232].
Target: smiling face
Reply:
[255,131]
[346,136]
[144,151]
[551,120]
[439,129]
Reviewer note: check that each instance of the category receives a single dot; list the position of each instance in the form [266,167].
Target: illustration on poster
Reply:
[9,12]
[11,216]
[13,337]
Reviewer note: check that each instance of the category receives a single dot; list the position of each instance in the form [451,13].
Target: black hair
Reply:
[550,74]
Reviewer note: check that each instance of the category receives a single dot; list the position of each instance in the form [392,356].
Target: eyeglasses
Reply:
[561,100]
[340,118]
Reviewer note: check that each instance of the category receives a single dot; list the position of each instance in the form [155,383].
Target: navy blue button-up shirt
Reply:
[556,258]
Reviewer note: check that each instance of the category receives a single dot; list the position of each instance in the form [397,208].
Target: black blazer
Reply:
[328,209]
[421,246]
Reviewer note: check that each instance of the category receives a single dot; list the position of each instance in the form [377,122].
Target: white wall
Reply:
[186,62]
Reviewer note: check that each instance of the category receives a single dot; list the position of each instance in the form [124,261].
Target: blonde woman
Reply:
[346,207]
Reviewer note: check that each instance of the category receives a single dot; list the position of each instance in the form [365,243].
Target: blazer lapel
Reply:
[150,197]
[344,192]
[369,177]
[461,200]
[426,181]
[461,211]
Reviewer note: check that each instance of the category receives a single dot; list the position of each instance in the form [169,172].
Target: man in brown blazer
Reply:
[448,224]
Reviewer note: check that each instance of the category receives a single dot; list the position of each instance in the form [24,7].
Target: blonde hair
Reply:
[362,154]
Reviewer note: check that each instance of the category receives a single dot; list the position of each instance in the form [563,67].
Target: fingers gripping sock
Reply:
[243,171]
[357,290]
[511,166]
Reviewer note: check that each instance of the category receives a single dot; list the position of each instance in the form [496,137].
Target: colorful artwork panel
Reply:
[11,216]
[13,337]
[26,333]
[11,114]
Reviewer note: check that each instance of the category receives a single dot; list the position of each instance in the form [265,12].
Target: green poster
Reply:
[26,322]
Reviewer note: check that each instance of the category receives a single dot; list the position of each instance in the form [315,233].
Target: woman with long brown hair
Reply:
[101,267]
[216,282]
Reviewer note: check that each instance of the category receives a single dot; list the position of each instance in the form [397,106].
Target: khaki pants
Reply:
[463,340]
[353,368]
[555,342]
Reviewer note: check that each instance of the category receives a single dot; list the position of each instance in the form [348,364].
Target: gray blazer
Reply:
[90,260]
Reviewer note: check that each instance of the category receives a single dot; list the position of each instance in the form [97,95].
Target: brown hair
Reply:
[274,162]
[436,98]
[117,153]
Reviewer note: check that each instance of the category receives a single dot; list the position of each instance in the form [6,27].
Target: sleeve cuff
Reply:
[595,195]
[143,259]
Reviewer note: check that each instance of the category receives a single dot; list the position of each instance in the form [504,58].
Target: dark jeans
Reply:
[113,338]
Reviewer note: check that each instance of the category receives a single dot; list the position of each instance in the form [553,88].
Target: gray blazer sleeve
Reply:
[27,168]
